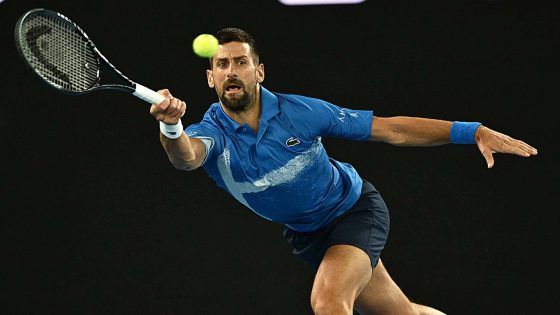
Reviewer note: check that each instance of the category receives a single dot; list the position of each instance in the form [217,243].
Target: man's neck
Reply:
[250,116]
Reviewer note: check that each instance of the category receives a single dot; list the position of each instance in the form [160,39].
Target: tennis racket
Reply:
[61,54]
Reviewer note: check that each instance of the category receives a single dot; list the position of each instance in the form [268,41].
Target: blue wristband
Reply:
[463,132]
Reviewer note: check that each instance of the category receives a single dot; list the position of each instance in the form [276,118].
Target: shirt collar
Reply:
[269,103]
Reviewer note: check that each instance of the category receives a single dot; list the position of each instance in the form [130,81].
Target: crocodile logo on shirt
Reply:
[292,141]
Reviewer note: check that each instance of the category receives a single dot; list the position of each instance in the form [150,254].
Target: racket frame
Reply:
[129,86]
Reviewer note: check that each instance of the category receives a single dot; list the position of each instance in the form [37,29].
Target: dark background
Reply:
[95,220]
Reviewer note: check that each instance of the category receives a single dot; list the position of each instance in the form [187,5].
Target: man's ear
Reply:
[260,73]
[210,79]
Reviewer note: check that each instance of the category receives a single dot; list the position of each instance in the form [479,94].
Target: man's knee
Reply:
[324,303]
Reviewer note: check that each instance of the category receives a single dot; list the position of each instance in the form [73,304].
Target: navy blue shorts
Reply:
[365,226]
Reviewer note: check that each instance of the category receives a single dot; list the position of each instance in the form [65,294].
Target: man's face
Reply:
[235,76]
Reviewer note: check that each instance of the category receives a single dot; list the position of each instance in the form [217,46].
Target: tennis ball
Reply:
[205,45]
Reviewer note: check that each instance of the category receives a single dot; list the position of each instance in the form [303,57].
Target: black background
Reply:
[95,220]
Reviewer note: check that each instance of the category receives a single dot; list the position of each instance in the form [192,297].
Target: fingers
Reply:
[169,110]
[176,108]
[172,109]
[517,147]
[183,109]
[158,109]
[165,92]
[494,142]
[489,158]
[525,147]
[487,154]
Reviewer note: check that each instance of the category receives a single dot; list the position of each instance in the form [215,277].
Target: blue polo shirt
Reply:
[283,172]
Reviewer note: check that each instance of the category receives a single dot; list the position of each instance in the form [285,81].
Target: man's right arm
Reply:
[184,153]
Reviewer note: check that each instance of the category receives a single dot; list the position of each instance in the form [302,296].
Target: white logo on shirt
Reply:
[342,115]
[281,175]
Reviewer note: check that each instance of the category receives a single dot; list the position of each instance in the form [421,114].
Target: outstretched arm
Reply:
[184,153]
[415,131]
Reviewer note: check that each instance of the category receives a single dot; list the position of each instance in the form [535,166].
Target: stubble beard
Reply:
[241,104]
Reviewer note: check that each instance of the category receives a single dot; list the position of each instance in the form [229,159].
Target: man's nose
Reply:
[231,71]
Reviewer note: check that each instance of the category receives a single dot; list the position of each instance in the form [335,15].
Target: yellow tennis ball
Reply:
[205,45]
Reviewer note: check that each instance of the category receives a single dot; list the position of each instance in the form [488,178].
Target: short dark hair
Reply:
[232,34]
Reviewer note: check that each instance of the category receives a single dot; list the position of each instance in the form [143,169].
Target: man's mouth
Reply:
[233,89]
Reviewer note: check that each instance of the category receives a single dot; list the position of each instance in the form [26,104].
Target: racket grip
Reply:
[148,95]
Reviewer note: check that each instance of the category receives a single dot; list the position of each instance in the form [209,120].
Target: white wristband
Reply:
[171,131]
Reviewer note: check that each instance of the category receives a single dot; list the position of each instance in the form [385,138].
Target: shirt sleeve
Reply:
[322,118]
[209,135]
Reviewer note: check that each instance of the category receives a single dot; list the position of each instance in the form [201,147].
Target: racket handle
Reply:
[148,95]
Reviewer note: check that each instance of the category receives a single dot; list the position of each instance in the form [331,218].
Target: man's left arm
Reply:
[415,131]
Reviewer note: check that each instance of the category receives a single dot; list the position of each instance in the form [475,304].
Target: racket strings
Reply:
[59,53]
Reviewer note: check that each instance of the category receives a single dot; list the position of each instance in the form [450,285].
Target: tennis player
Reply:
[264,148]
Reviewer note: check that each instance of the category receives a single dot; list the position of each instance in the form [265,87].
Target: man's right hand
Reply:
[170,110]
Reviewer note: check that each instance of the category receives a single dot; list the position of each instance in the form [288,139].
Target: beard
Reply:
[238,104]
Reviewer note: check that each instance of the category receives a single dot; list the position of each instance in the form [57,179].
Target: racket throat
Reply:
[111,78]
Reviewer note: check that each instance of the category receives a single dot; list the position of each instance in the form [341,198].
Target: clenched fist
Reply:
[170,110]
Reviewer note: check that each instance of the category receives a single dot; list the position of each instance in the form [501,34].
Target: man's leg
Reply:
[343,274]
[382,296]
[345,277]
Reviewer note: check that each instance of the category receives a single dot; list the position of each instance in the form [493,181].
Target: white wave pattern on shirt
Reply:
[281,175]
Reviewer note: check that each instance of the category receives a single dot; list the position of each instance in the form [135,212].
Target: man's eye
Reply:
[242,62]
